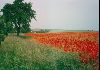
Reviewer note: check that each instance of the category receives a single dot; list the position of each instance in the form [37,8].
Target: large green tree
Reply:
[19,14]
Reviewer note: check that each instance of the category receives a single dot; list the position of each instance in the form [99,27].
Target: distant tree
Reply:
[47,30]
[19,14]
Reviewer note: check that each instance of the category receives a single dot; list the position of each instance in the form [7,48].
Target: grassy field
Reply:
[23,53]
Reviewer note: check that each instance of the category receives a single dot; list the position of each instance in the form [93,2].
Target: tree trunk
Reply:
[18,31]
[0,42]
[17,25]
[6,33]
[0,38]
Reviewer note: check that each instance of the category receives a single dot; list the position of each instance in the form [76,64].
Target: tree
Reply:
[7,26]
[2,29]
[25,28]
[19,14]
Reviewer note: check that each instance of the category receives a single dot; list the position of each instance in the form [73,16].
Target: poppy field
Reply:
[50,51]
[86,44]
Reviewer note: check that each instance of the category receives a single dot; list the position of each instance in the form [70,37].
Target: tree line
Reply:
[16,18]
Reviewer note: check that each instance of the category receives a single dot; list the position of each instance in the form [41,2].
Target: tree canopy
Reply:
[19,14]
[2,29]
[1,25]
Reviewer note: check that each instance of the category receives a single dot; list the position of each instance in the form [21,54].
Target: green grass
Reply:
[21,53]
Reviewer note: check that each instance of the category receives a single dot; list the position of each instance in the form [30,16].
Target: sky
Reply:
[64,14]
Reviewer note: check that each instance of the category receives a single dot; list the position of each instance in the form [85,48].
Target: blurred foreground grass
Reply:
[22,53]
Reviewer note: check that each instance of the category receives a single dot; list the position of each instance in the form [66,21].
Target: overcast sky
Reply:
[64,14]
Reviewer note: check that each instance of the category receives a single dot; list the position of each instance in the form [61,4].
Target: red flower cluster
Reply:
[85,43]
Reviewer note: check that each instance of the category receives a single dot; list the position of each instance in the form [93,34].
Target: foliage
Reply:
[19,14]
[1,25]
[2,30]
[25,28]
